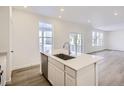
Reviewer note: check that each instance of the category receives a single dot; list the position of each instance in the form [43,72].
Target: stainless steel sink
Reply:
[64,56]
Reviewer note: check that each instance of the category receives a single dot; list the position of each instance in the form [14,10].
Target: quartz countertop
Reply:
[76,63]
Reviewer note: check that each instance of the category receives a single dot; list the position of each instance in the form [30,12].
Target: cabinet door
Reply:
[51,73]
[59,77]
[55,75]
[69,81]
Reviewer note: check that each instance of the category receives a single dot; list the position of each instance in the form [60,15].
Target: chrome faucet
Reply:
[64,45]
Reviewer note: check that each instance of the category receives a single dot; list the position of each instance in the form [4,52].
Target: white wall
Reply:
[26,31]
[88,41]
[25,40]
[116,40]
[63,28]
[25,36]
[4,29]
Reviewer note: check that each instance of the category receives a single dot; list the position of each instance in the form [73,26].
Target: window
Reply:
[45,37]
[75,43]
[97,39]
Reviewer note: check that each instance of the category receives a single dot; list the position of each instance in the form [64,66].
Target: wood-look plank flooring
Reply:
[111,72]
[28,77]
[111,69]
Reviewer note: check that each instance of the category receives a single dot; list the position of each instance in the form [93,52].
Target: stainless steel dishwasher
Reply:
[44,59]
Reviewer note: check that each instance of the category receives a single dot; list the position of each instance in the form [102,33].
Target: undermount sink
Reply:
[64,56]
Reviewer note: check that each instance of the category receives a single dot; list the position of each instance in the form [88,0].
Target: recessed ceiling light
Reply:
[115,13]
[60,16]
[62,9]
[25,6]
[89,21]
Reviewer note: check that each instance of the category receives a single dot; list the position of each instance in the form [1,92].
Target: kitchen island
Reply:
[78,71]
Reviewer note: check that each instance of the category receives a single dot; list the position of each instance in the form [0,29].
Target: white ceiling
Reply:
[101,17]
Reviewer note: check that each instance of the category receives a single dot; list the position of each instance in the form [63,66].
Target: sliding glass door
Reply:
[75,43]
[45,36]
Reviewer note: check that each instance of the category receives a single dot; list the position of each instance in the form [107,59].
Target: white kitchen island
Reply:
[79,71]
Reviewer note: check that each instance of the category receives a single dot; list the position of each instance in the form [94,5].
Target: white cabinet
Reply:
[69,81]
[70,77]
[60,75]
[51,73]
[55,74]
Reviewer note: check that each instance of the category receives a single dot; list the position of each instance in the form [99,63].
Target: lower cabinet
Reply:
[60,75]
[51,73]
[55,75]
[69,81]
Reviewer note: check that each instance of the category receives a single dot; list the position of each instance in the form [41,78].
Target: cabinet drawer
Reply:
[69,81]
[70,72]
[56,63]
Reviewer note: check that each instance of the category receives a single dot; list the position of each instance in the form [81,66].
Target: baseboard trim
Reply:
[25,68]
[115,50]
[20,69]
[96,51]
[104,50]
